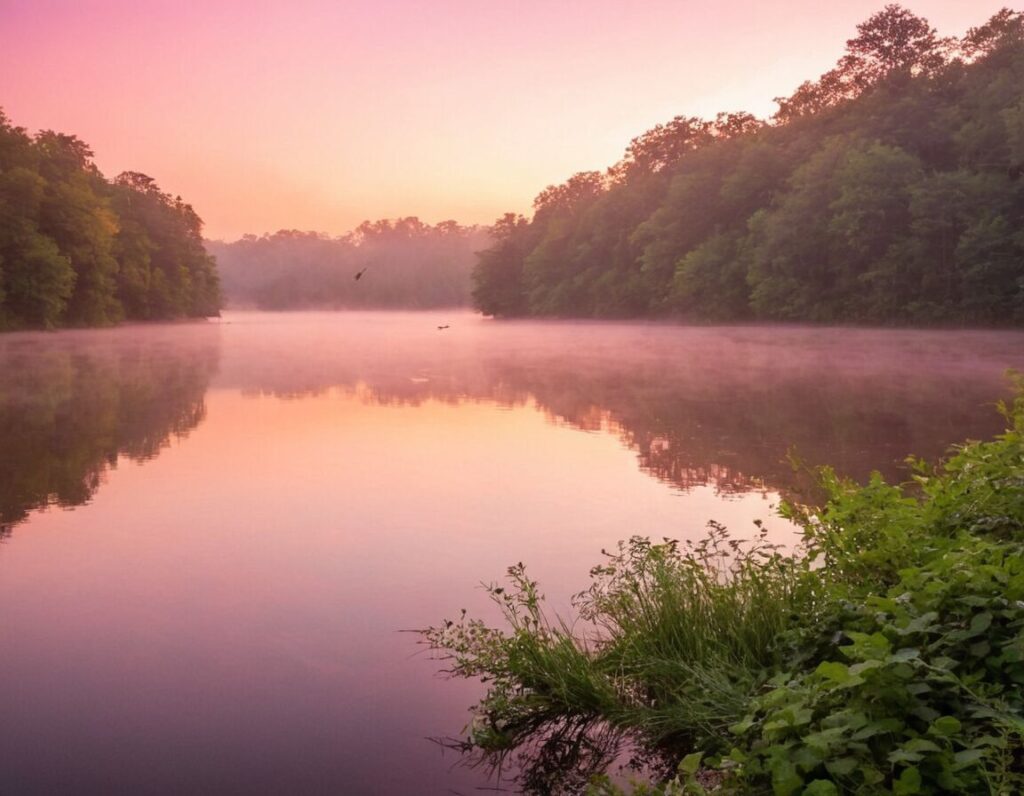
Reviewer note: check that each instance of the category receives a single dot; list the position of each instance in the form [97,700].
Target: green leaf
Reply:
[864,666]
[980,649]
[785,779]
[807,758]
[877,727]
[967,757]
[945,726]
[979,624]
[871,775]
[921,745]
[842,766]
[925,713]
[824,738]
[918,625]
[741,727]
[909,782]
[905,654]
[691,763]
[838,673]
[821,787]
[904,756]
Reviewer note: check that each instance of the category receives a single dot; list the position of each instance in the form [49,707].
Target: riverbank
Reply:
[884,656]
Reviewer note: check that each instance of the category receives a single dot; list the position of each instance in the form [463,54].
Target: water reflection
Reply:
[719,406]
[223,616]
[699,406]
[72,404]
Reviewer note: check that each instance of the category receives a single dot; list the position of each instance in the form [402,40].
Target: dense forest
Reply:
[889,190]
[402,263]
[77,249]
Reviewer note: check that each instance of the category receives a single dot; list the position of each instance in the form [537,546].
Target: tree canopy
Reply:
[889,190]
[79,250]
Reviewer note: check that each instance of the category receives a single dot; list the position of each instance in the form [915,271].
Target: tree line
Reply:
[77,249]
[402,263]
[887,191]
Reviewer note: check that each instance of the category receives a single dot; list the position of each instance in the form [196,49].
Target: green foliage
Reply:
[885,656]
[166,271]
[679,638]
[890,190]
[76,249]
[497,277]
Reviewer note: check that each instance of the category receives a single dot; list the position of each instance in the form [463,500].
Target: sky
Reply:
[318,114]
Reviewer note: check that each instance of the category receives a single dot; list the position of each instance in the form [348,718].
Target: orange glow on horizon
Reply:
[320,114]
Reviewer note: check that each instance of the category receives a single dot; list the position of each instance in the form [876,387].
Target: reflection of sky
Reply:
[226,613]
[698,404]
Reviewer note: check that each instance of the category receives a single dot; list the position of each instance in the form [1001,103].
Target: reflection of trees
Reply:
[733,429]
[75,402]
[699,406]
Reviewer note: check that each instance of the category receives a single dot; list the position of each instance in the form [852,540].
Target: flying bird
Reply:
[446,326]
[359,275]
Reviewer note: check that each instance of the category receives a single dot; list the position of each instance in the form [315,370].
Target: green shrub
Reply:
[885,656]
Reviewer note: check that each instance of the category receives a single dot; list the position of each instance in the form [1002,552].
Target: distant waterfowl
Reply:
[446,326]
[359,274]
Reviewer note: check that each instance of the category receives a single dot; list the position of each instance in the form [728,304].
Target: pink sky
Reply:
[317,114]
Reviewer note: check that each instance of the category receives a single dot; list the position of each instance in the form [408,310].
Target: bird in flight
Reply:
[359,275]
[446,326]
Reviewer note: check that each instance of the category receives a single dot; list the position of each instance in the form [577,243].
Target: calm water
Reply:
[215,532]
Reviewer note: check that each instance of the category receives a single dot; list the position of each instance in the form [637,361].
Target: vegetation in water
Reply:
[890,190]
[79,250]
[884,656]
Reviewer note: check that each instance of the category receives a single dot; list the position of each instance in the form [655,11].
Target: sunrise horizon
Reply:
[319,118]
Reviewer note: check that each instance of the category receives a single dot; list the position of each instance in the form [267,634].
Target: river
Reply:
[215,533]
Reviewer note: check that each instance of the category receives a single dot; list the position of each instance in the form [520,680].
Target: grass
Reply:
[885,656]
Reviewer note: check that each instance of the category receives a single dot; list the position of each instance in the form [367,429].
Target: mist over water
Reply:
[214,532]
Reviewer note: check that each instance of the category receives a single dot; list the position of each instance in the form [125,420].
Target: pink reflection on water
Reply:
[226,615]
[223,612]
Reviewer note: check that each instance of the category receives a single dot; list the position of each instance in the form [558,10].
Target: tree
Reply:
[78,250]
[498,287]
[75,214]
[167,272]
[1003,31]
[891,41]
[37,279]
[889,190]
[662,146]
